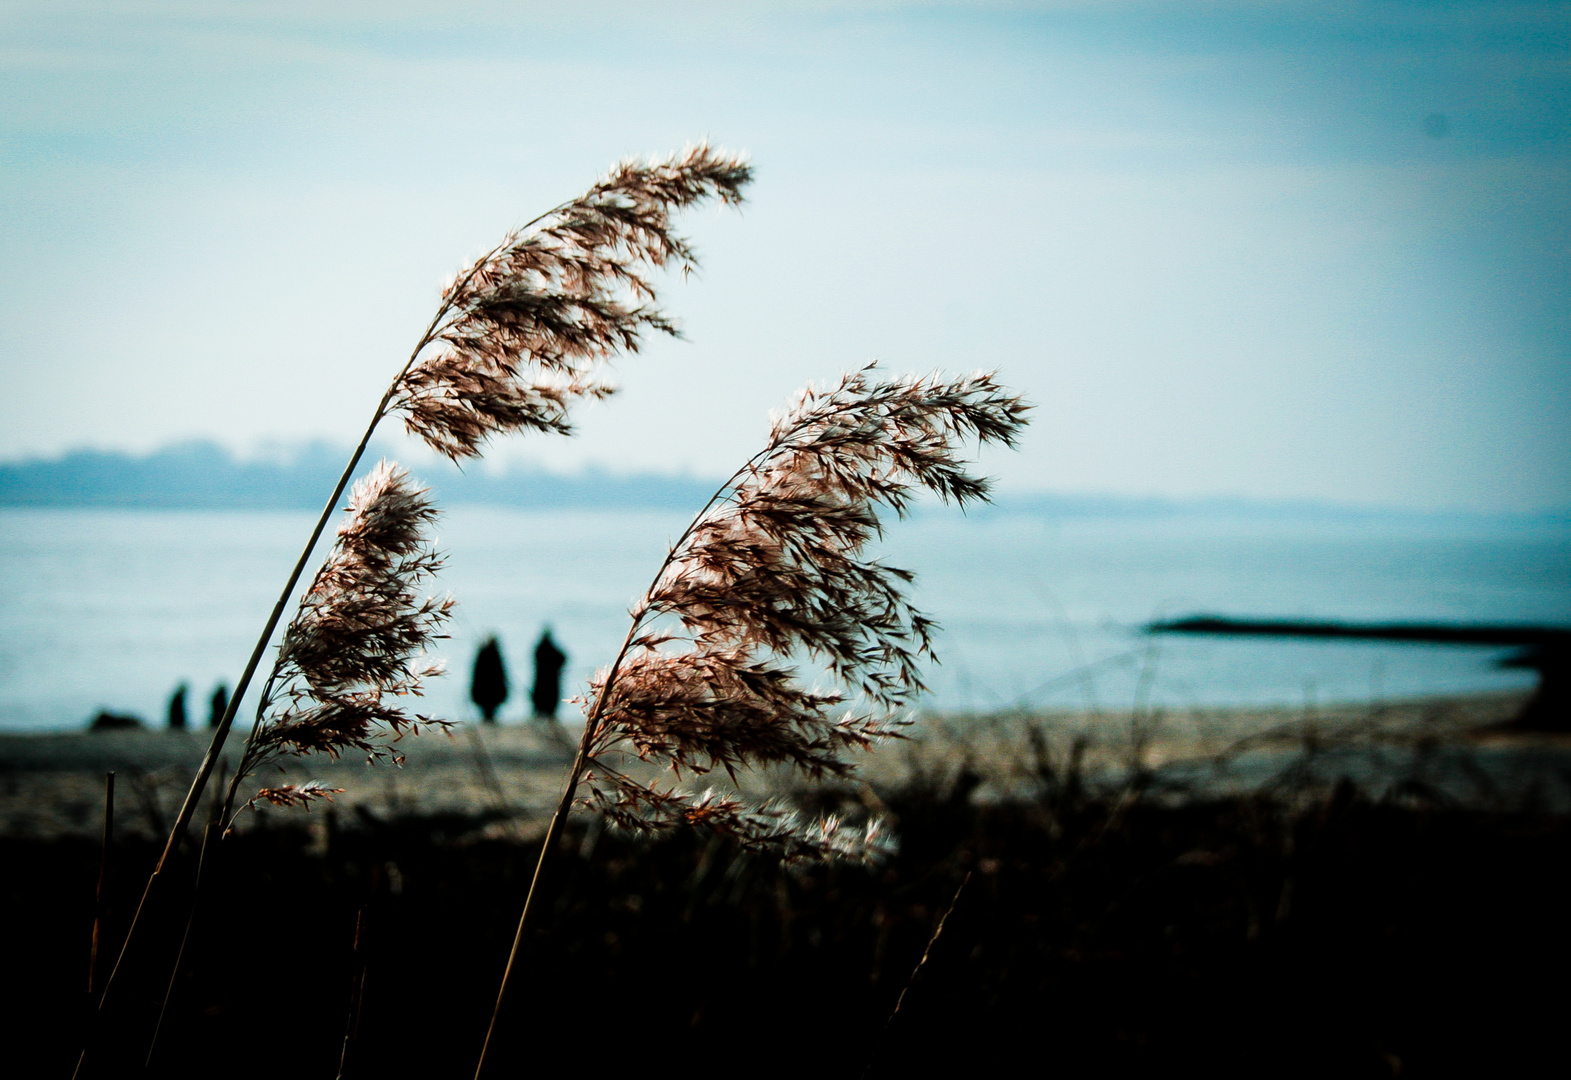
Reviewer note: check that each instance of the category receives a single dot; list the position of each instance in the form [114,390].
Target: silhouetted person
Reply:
[488,685]
[108,721]
[547,691]
[177,708]
[217,705]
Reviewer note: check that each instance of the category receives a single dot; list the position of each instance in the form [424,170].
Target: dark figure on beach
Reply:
[546,694]
[177,708]
[488,685]
[217,705]
[108,721]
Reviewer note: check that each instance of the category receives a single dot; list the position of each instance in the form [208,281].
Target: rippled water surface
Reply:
[111,609]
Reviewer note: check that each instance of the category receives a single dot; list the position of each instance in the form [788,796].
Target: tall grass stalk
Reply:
[99,893]
[774,567]
[356,993]
[520,335]
[916,972]
[185,940]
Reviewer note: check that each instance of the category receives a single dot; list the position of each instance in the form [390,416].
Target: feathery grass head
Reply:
[526,330]
[358,638]
[776,568]
[362,626]
[772,826]
[296,794]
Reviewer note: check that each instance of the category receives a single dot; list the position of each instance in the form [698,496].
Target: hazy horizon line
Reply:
[202,473]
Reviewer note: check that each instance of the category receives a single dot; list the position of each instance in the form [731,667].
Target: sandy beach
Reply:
[52,784]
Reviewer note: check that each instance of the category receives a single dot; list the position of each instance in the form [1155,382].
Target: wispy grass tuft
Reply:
[357,640]
[776,567]
[519,336]
[526,330]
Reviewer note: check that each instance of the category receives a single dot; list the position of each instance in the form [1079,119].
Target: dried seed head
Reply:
[770,826]
[295,794]
[526,330]
[363,623]
[360,633]
[776,568]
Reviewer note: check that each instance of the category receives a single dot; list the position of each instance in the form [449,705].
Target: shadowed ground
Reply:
[52,784]
[1115,923]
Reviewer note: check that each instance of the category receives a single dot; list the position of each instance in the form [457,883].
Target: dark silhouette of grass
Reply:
[1102,933]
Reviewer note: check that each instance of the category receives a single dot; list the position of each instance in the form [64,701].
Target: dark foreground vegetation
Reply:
[1100,933]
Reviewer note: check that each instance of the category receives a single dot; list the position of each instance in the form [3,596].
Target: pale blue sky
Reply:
[1225,246]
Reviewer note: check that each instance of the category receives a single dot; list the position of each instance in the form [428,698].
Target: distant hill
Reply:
[203,475]
[206,476]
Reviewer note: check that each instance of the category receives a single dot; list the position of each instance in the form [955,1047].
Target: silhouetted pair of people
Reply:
[216,705]
[175,715]
[488,687]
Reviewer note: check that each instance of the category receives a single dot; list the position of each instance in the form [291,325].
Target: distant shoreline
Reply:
[206,476]
[1481,708]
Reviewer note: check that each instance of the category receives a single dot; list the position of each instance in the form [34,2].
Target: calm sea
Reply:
[114,608]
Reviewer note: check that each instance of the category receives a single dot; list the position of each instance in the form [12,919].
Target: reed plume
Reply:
[295,794]
[776,568]
[357,639]
[525,331]
[519,336]
[775,571]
